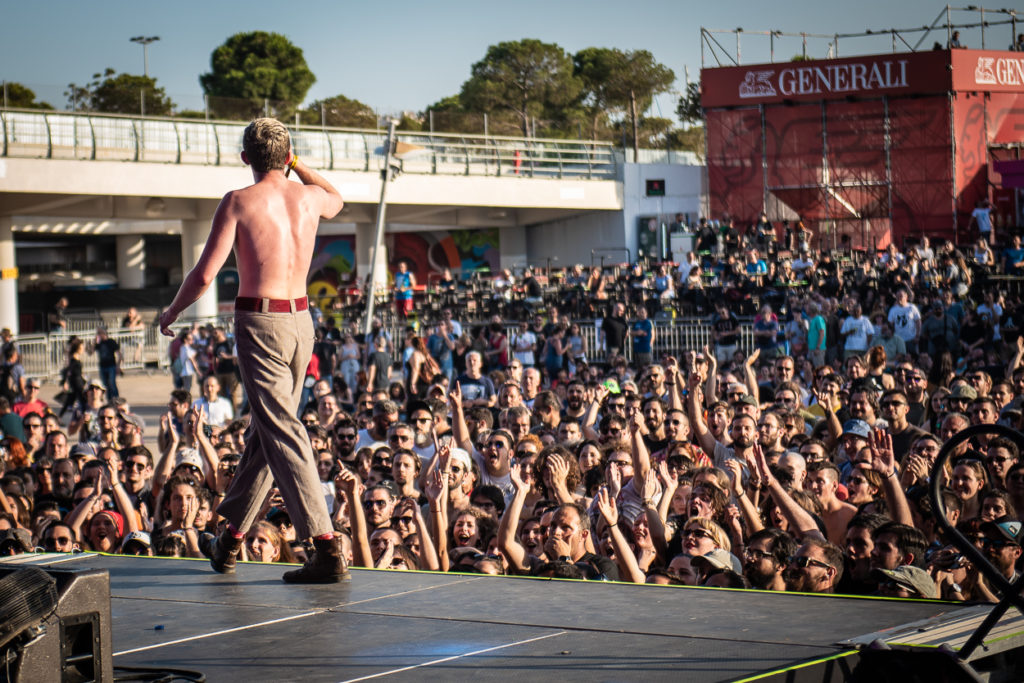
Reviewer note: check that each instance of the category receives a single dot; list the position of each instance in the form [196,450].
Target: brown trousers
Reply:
[273,352]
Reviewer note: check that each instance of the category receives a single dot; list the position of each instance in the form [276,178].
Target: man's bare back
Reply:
[271,225]
[276,224]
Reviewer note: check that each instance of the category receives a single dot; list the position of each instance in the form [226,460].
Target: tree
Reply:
[114,93]
[339,111]
[526,77]
[687,139]
[613,80]
[251,68]
[18,96]
[689,109]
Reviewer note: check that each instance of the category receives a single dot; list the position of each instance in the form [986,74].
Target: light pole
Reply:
[145,41]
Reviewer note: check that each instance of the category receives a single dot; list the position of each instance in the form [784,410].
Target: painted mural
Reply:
[333,266]
[464,251]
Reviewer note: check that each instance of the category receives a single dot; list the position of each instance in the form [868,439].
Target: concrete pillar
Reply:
[364,254]
[512,246]
[193,239]
[8,277]
[131,261]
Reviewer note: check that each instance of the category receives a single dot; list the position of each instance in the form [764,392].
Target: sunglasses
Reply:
[374,504]
[756,555]
[347,437]
[407,519]
[699,533]
[803,562]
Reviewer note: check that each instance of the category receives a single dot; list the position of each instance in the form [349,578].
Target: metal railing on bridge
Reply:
[92,136]
[45,355]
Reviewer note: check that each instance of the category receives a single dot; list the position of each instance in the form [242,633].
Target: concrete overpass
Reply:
[92,174]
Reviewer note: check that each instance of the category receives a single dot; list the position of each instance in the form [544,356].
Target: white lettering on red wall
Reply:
[831,78]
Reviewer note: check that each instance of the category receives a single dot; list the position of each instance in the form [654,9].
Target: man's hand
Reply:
[515,474]
[883,460]
[735,472]
[606,506]
[167,319]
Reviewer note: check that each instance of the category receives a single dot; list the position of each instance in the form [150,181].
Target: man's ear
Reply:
[245,158]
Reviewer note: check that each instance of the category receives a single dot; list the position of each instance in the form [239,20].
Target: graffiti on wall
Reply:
[463,251]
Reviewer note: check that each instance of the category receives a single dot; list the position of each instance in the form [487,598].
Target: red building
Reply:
[881,148]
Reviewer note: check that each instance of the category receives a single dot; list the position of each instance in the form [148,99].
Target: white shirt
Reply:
[906,321]
[859,330]
[522,347]
[218,413]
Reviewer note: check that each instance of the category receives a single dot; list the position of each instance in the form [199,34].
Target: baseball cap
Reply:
[460,455]
[83,449]
[139,537]
[34,382]
[858,428]
[19,539]
[135,421]
[912,578]
[749,400]
[964,391]
[1010,529]
[96,384]
[718,558]
[189,456]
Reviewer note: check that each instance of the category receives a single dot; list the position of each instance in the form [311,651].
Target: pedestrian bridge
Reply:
[87,165]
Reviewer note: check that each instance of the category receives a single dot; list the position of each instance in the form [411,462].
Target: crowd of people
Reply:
[800,464]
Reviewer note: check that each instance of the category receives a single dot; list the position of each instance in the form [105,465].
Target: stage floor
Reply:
[409,625]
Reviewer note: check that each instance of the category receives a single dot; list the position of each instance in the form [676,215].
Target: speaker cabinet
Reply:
[73,644]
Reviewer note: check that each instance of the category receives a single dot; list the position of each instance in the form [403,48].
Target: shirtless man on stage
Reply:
[272,226]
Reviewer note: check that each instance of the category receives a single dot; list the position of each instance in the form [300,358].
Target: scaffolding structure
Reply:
[869,150]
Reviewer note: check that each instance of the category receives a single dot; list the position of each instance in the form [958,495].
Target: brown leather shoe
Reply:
[326,564]
[223,552]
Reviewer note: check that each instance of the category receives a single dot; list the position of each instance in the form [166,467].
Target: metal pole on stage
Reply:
[378,234]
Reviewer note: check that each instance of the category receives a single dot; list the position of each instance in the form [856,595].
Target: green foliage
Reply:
[611,78]
[19,96]
[687,139]
[113,93]
[339,112]
[689,109]
[410,122]
[250,68]
[526,77]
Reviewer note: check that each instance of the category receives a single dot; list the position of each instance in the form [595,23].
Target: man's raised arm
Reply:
[330,202]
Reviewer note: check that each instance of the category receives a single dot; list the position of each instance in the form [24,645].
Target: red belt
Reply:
[263,305]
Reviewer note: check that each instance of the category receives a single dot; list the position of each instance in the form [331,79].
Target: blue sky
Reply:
[405,55]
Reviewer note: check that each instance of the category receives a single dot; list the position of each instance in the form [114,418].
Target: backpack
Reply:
[8,387]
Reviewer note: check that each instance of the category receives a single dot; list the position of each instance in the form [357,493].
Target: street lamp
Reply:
[145,41]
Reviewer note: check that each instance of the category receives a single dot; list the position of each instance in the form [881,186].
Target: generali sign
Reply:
[988,71]
[918,73]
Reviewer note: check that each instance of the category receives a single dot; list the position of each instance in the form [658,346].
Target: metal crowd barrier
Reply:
[45,355]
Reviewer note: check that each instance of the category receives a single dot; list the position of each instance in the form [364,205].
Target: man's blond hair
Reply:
[266,143]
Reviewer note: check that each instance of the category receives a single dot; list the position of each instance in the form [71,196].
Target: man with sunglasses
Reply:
[816,567]
[30,402]
[378,504]
[1001,541]
[343,442]
[895,408]
[766,558]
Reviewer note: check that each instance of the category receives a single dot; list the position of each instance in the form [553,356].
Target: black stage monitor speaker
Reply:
[54,625]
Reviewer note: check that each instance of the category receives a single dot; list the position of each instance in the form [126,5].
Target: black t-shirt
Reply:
[324,350]
[224,366]
[728,329]
[615,329]
[106,352]
[382,361]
